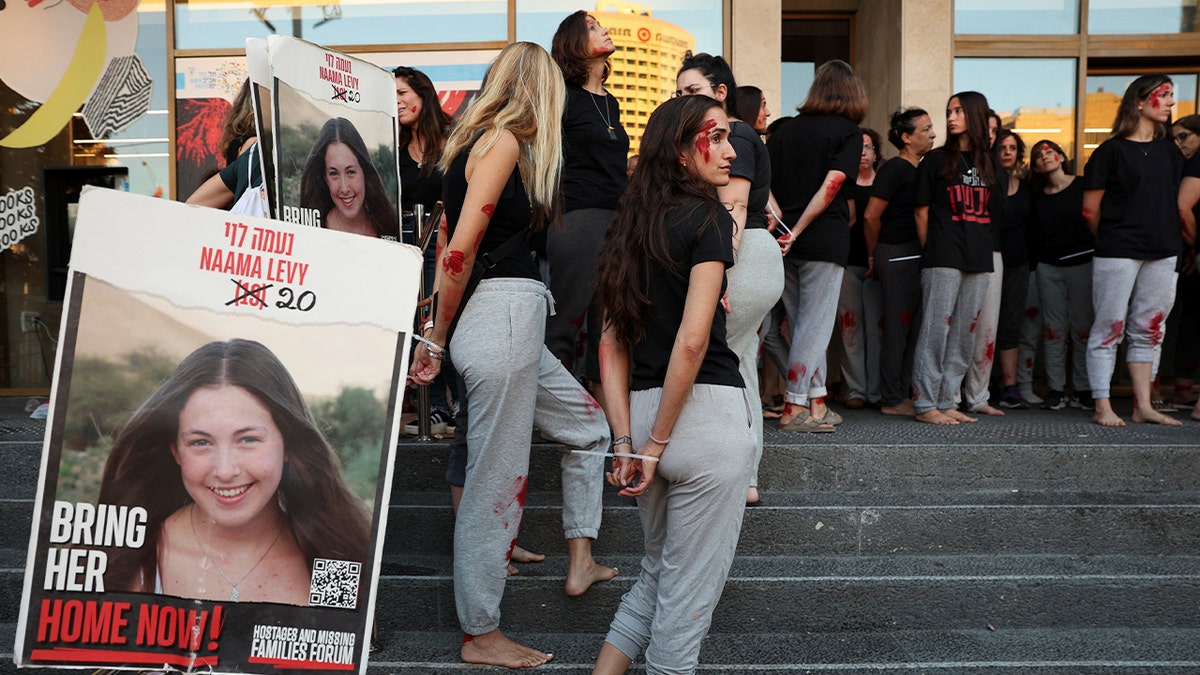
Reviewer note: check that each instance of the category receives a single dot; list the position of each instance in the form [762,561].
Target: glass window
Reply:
[1034,97]
[224,24]
[806,44]
[1104,93]
[1145,16]
[1021,17]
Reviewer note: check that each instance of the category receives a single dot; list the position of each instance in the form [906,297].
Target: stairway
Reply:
[1036,543]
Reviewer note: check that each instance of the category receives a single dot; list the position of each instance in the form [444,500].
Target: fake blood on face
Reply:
[703,144]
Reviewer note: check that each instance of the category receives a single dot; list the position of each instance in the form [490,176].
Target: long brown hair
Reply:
[1128,115]
[325,518]
[836,90]
[314,192]
[432,121]
[637,237]
[569,49]
[975,109]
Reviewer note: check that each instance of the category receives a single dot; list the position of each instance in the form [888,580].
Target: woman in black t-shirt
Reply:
[684,445]
[1014,251]
[1189,208]
[1064,273]
[595,146]
[756,281]
[811,157]
[502,164]
[954,186]
[1130,202]
[894,254]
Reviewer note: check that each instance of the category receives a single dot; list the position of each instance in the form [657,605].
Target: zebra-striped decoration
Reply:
[121,96]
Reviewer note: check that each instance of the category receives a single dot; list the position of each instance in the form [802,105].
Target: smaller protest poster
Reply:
[335,139]
[217,464]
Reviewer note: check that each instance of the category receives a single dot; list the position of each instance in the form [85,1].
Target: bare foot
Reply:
[935,416]
[956,414]
[903,408]
[752,496]
[523,556]
[818,408]
[494,649]
[1152,416]
[583,572]
[790,413]
[1107,418]
[989,410]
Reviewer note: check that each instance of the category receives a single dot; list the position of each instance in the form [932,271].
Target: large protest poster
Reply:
[215,475]
[335,138]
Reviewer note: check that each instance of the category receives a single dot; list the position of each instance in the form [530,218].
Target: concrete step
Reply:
[841,594]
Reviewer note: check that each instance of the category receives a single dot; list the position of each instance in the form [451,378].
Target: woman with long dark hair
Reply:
[894,254]
[1131,188]
[1064,272]
[684,430]
[811,157]
[756,281]
[1014,255]
[752,107]
[502,164]
[1188,344]
[954,185]
[341,182]
[594,176]
[241,489]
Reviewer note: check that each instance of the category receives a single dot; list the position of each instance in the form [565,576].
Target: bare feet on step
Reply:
[494,649]
[520,555]
[583,571]
[956,414]
[1152,416]
[903,408]
[935,416]
[989,410]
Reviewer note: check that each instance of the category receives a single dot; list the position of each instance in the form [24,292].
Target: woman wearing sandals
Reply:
[502,164]
[756,281]
[661,278]
[1130,196]
[811,156]
[954,185]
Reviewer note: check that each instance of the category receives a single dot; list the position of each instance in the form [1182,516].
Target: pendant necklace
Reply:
[235,594]
[606,118]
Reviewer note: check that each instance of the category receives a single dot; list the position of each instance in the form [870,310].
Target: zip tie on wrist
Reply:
[435,350]
[427,326]
[600,453]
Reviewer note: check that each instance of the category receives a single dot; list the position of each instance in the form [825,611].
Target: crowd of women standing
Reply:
[680,270]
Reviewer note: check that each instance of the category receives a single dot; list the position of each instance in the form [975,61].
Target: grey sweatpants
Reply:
[898,267]
[572,252]
[514,382]
[810,295]
[755,284]
[859,332]
[1030,332]
[691,518]
[951,302]
[983,331]
[1131,298]
[1066,294]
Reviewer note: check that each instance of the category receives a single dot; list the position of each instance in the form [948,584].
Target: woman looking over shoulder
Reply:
[661,278]
[594,177]
[756,281]
[894,252]
[1130,202]
[502,164]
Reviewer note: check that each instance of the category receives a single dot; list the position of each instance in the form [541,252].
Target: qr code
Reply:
[334,583]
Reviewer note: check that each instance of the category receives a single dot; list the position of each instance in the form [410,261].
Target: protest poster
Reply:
[258,64]
[215,474]
[335,139]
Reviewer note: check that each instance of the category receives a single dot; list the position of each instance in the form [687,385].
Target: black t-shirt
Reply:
[691,239]
[1057,221]
[1139,216]
[959,233]
[803,151]
[1011,218]
[243,173]
[594,161]
[415,188]
[895,183]
[754,164]
[512,215]
[1191,169]
[860,195]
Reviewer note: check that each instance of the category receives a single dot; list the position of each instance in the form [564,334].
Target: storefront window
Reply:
[1034,97]
[217,24]
[807,43]
[1104,93]
[1020,17]
[1117,17]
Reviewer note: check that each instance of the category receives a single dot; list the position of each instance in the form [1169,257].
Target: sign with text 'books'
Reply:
[215,473]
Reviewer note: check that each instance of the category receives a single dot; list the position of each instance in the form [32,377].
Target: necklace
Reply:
[233,596]
[607,118]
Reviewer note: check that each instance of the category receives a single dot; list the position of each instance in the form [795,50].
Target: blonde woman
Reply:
[502,164]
